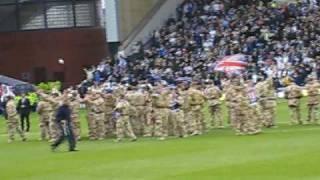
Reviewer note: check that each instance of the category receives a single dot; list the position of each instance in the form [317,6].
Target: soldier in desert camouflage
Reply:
[75,111]
[267,102]
[312,88]
[44,109]
[95,107]
[109,105]
[13,120]
[138,99]
[123,124]
[213,95]
[197,100]
[161,104]
[293,93]
[54,99]
[177,115]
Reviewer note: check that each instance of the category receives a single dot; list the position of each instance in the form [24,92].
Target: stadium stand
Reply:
[274,37]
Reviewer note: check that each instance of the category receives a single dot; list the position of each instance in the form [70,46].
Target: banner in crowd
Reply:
[232,64]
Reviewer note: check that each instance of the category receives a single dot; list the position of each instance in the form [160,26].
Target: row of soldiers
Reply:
[147,111]
[163,110]
[250,106]
[158,111]
[294,93]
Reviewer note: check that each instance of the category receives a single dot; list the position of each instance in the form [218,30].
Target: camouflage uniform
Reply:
[139,101]
[245,114]
[95,105]
[54,102]
[123,125]
[177,117]
[75,120]
[98,115]
[186,108]
[213,95]
[196,101]
[13,121]
[109,102]
[45,114]
[161,102]
[267,102]
[149,125]
[293,94]
[240,110]
[230,94]
[313,100]
[90,118]
[119,91]
[254,121]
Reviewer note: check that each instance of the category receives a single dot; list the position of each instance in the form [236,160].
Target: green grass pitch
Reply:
[283,153]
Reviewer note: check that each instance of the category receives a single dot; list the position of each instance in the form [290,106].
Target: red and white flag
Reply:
[232,64]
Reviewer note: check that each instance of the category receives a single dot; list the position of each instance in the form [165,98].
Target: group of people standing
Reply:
[294,94]
[16,112]
[250,106]
[163,110]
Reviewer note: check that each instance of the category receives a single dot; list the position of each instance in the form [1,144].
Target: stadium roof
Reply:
[11,81]
[17,85]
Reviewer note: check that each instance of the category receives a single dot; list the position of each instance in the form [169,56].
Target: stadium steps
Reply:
[152,21]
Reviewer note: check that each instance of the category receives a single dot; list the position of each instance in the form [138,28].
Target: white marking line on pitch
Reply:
[291,130]
[27,134]
[267,132]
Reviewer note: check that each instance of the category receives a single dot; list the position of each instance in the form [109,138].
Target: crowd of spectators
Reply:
[5,91]
[281,38]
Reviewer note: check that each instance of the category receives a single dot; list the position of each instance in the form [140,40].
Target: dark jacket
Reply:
[63,113]
[24,106]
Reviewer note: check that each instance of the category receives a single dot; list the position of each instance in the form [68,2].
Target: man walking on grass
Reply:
[63,120]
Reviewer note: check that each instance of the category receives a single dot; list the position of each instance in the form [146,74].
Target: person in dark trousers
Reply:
[24,109]
[63,119]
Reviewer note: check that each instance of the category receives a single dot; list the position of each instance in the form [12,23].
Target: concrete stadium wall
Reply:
[131,12]
[167,10]
[33,55]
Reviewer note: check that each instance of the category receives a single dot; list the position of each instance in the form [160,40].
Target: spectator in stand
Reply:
[271,35]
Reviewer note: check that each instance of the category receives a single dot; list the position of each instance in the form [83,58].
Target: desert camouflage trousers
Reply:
[149,125]
[109,124]
[96,126]
[216,120]
[197,120]
[178,123]
[161,116]
[139,120]
[44,125]
[247,120]
[312,113]
[76,126]
[295,115]
[123,127]
[109,121]
[13,128]
[53,127]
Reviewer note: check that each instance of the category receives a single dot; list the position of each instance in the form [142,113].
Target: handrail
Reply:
[141,24]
